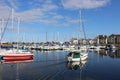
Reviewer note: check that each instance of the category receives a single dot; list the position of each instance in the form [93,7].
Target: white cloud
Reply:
[4,11]
[45,13]
[48,7]
[50,22]
[58,17]
[84,4]
[35,11]
[30,15]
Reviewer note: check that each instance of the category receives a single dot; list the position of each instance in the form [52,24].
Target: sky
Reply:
[57,20]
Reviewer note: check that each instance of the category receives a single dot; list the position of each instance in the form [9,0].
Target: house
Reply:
[74,41]
[91,41]
[114,39]
[101,39]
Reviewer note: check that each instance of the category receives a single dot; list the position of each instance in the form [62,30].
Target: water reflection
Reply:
[112,54]
[76,65]
[79,67]
[13,68]
[53,66]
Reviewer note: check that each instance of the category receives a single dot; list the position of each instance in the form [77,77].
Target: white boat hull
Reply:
[83,56]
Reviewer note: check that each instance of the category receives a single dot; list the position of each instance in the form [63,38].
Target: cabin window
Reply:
[76,55]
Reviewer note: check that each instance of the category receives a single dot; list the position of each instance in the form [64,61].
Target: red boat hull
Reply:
[17,56]
[18,60]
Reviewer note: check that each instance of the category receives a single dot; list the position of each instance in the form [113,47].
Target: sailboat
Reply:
[82,52]
[77,56]
[16,54]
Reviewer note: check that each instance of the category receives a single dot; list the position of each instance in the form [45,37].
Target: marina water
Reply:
[100,65]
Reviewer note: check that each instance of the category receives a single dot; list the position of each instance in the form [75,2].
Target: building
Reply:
[102,39]
[91,41]
[114,39]
[74,41]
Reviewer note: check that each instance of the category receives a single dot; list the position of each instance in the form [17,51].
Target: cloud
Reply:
[30,15]
[83,4]
[41,11]
[58,17]
[4,10]
[28,11]
[48,7]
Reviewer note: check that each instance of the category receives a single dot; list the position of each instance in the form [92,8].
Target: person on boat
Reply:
[70,54]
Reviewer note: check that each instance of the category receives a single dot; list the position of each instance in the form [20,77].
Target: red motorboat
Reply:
[16,55]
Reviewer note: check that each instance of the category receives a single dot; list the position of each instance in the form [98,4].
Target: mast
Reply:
[58,36]
[80,22]
[1,31]
[46,36]
[18,33]
[2,27]
[81,27]
[12,21]
[82,30]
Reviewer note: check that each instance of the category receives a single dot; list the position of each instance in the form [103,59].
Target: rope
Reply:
[2,33]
